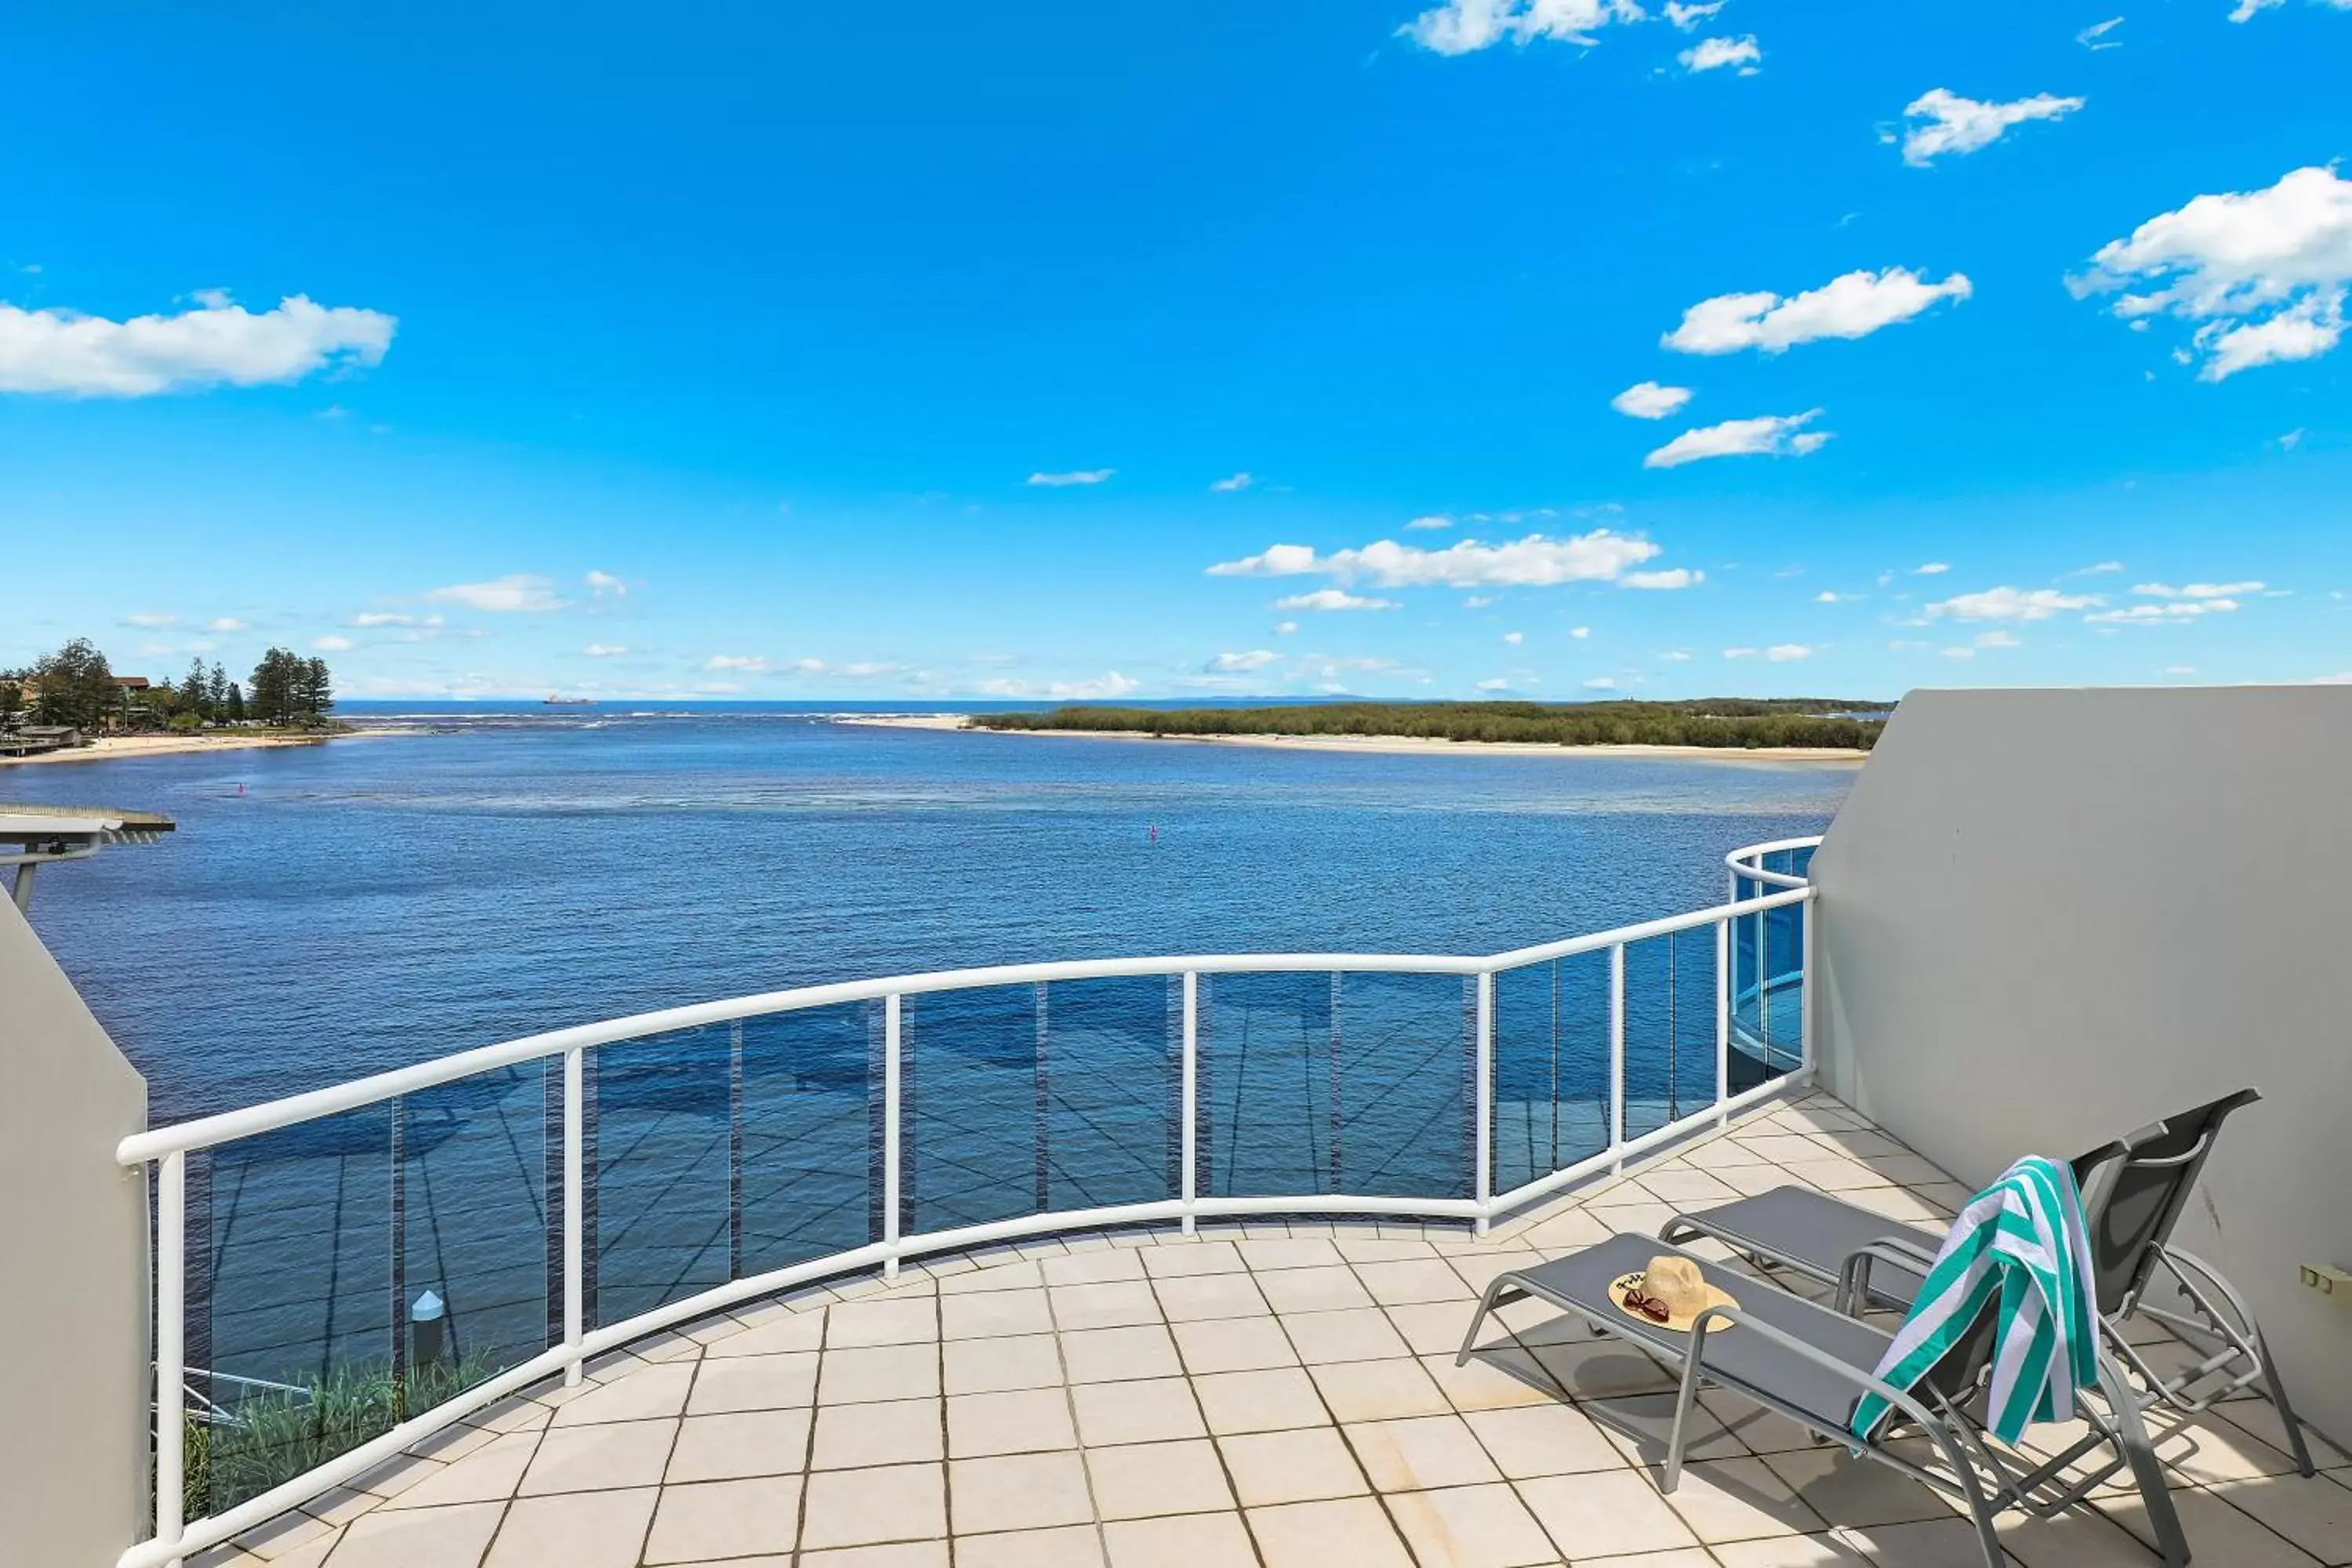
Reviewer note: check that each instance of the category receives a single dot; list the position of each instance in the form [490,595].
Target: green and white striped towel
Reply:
[2024,1238]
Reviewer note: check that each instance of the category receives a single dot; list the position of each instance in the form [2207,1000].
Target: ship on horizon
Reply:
[555,702]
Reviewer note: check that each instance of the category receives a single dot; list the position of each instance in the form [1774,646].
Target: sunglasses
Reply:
[1649,1306]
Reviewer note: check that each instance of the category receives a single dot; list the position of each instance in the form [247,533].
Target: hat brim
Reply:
[1680,1321]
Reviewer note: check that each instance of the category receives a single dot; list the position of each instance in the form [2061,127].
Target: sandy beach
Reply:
[1391,745]
[107,748]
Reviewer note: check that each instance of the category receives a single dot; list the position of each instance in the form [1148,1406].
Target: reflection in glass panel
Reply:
[1552,1067]
[662,1130]
[1111,1071]
[1406,1082]
[1265,1046]
[290,1356]
[812,1090]
[474,1185]
[972,1102]
[1669,1028]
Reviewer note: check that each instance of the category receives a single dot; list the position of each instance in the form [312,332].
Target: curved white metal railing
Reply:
[1747,996]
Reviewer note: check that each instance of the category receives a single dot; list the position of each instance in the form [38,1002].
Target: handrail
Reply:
[1738,860]
[272,1115]
[176,1537]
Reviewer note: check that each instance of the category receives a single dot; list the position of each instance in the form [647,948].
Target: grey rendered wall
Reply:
[2046,917]
[73,1273]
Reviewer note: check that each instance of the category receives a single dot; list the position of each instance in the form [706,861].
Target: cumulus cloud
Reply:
[1852,306]
[1111,683]
[1579,633]
[217,344]
[1934,569]
[1742,652]
[1285,629]
[2198,590]
[1074,477]
[1787,652]
[1435,521]
[2007,604]
[385,618]
[604,650]
[1997,638]
[1515,639]
[1332,599]
[521,593]
[1241,663]
[1648,400]
[1227,484]
[149,621]
[1496,684]
[331,644]
[1687,17]
[1714,54]
[1942,121]
[1465,26]
[2263,273]
[751,664]
[603,582]
[226,624]
[2100,568]
[1781,435]
[1536,561]
[2171,612]
[1668,580]
[867,670]
[1600,683]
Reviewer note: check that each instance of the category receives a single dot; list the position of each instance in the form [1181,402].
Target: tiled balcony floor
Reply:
[1274,1394]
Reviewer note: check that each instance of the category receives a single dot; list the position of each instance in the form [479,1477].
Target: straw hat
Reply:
[1675,1284]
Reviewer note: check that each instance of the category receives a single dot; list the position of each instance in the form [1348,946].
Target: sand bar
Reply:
[1389,745]
[110,748]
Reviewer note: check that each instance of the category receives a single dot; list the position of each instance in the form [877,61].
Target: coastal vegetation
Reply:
[76,688]
[277,1435]
[1726,723]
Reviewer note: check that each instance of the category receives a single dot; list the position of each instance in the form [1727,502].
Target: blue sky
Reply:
[729,352]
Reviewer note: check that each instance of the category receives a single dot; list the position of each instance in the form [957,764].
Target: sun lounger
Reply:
[1813,1364]
[2134,1204]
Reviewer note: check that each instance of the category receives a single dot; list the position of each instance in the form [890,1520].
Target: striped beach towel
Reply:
[2023,1239]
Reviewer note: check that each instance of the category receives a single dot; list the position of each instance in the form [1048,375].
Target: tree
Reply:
[192,695]
[316,687]
[233,710]
[12,698]
[76,685]
[274,695]
[216,692]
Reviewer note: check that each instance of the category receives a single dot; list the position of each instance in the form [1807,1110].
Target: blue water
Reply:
[328,912]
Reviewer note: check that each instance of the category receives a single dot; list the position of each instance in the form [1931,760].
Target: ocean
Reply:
[328,912]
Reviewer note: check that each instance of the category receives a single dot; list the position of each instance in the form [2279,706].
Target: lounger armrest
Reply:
[1853,1272]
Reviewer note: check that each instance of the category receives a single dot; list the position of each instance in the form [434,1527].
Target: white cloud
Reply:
[1600,683]
[1931,569]
[1515,639]
[1742,652]
[226,624]
[149,621]
[2178,670]
[2173,613]
[869,669]
[1714,54]
[2100,569]
[2263,273]
[1464,26]
[1435,521]
[1787,652]
[218,343]
[603,582]
[1667,581]
[1830,596]
[1536,561]
[1230,483]
[2006,604]
[1781,435]
[2198,590]
[382,618]
[1477,601]
[1075,476]
[1852,306]
[1111,683]
[330,643]
[1333,599]
[1286,629]
[1687,17]
[521,593]
[2095,37]
[1997,638]
[1579,633]
[1648,400]
[1944,122]
[749,663]
[1495,685]
[1959,653]
[1679,656]
[2292,439]
[604,650]
[1241,663]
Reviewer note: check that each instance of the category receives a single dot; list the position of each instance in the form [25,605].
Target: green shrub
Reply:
[272,1437]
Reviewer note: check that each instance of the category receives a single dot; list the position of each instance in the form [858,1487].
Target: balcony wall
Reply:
[73,1271]
[2047,918]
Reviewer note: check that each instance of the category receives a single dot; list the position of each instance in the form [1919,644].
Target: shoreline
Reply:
[115,748]
[1388,745]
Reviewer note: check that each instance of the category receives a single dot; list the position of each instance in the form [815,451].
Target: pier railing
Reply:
[341,1273]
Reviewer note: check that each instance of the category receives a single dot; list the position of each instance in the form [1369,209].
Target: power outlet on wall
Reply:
[2327,1278]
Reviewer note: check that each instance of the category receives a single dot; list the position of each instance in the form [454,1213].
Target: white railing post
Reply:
[1722,1020]
[890,1010]
[1484,1139]
[1805,986]
[170,1344]
[575,1222]
[1189,1175]
[1617,1050]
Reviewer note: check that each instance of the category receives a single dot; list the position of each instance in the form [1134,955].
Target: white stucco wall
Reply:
[2047,918]
[73,1273]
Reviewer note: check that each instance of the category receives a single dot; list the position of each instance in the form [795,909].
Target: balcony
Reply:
[1137,1261]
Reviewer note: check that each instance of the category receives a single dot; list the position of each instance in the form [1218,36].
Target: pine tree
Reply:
[193,691]
[215,691]
[234,709]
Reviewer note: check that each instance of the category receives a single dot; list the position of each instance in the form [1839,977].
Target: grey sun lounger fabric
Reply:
[1798,1226]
